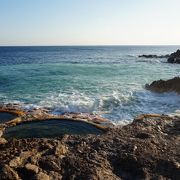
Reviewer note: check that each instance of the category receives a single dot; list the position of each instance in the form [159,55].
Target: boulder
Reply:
[165,86]
[174,57]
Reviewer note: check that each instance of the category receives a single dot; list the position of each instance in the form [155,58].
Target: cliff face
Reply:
[148,148]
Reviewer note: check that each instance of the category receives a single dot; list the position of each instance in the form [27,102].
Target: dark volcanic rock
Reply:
[154,56]
[165,86]
[148,148]
[174,57]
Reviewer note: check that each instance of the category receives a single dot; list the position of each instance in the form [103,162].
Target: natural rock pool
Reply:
[6,116]
[50,129]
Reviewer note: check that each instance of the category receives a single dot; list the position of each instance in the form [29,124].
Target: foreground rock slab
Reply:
[165,86]
[148,148]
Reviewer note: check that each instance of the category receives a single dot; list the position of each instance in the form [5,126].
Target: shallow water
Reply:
[5,117]
[106,80]
[50,129]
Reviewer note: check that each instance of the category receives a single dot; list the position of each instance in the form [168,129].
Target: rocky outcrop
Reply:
[154,56]
[165,86]
[174,57]
[148,148]
[171,58]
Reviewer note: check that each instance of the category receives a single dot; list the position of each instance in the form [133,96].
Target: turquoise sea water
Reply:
[106,80]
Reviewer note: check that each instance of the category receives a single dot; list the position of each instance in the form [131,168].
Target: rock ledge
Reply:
[148,148]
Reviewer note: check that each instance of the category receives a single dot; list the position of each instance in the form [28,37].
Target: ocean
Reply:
[105,80]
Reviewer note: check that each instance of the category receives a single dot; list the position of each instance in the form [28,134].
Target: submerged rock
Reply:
[165,86]
[174,57]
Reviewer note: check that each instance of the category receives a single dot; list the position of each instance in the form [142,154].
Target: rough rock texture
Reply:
[154,56]
[174,57]
[148,148]
[165,86]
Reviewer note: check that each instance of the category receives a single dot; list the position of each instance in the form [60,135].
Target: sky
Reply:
[89,22]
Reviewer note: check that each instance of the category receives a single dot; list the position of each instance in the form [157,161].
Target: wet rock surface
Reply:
[174,57]
[148,148]
[171,85]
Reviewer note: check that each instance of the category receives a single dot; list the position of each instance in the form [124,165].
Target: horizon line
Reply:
[88,45]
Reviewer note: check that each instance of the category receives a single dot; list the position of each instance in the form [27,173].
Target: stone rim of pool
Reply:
[51,128]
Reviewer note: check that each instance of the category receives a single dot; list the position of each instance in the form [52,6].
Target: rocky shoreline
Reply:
[171,58]
[148,148]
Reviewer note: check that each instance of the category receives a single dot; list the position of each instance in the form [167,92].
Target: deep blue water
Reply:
[106,80]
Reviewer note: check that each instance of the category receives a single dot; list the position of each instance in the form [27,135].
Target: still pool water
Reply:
[50,129]
[5,117]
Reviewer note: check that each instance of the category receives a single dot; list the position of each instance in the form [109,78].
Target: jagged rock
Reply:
[16,162]
[174,57]
[33,159]
[55,176]
[49,164]
[32,168]
[3,141]
[165,86]
[20,160]
[42,176]
[60,149]
[9,173]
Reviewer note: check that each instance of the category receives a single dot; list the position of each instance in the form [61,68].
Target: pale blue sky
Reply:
[89,22]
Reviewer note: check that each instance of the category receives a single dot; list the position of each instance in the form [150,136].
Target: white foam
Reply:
[175,113]
[79,102]
[122,122]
